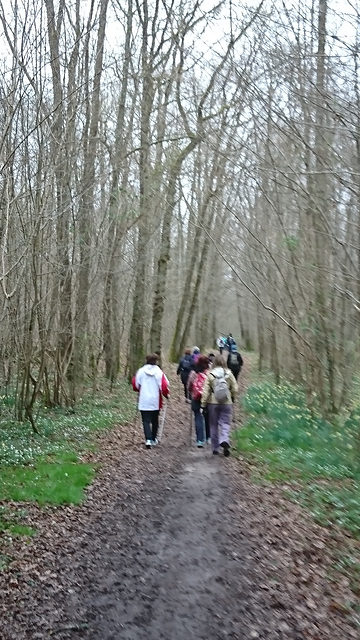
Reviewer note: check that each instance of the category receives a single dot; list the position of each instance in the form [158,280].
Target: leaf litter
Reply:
[174,544]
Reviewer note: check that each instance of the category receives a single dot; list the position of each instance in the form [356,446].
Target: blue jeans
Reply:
[150,420]
[199,420]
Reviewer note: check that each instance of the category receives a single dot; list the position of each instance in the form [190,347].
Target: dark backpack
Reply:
[233,360]
[186,364]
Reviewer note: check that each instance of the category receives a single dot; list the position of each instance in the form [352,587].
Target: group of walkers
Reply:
[210,386]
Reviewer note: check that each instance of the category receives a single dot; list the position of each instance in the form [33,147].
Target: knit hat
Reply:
[196,350]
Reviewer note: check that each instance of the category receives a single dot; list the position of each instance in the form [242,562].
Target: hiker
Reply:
[229,342]
[211,357]
[152,384]
[218,396]
[195,355]
[221,344]
[234,361]
[183,371]
[196,382]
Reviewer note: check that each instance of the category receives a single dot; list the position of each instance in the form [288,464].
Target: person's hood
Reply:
[151,369]
[219,371]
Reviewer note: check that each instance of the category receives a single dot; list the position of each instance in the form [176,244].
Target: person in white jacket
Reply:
[152,384]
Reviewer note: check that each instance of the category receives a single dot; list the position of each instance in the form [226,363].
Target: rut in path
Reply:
[174,544]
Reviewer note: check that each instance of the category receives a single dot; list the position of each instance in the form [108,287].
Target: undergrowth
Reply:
[45,467]
[295,445]
[317,462]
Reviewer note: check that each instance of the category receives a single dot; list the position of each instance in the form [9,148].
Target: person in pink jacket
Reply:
[152,384]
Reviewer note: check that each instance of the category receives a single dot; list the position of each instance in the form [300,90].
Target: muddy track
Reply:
[174,544]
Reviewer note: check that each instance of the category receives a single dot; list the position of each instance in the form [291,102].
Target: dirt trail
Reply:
[174,544]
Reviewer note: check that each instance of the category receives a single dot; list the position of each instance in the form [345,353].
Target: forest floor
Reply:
[174,544]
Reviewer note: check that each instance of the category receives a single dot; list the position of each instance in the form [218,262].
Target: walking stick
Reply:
[191,425]
[134,425]
[162,422]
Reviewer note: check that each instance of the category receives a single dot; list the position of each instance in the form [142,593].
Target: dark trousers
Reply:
[207,424]
[150,420]
[198,419]
[184,379]
[235,373]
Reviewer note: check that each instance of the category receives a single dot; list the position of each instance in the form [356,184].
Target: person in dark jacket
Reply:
[234,361]
[183,370]
[230,342]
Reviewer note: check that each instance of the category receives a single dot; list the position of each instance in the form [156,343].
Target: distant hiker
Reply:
[195,355]
[218,396]
[221,344]
[152,384]
[229,342]
[235,361]
[196,383]
[211,357]
[183,371]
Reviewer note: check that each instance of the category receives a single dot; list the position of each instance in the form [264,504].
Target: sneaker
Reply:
[200,444]
[226,448]
[216,453]
[148,444]
[208,441]
[154,442]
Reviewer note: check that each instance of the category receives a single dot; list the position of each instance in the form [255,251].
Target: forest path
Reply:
[174,544]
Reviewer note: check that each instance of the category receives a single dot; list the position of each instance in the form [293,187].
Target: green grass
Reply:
[45,467]
[11,524]
[318,461]
[61,430]
[46,483]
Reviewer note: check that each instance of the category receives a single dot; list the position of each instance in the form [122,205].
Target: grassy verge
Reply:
[46,468]
[319,462]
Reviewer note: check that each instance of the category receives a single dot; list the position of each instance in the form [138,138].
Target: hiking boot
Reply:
[216,453]
[199,444]
[226,447]
[148,444]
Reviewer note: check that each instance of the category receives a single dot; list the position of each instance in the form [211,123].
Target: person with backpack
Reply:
[234,361]
[183,370]
[229,342]
[219,392]
[195,386]
[152,385]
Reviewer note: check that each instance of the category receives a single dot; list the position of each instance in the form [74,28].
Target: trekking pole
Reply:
[191,425]
[162,422]
[134,424]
